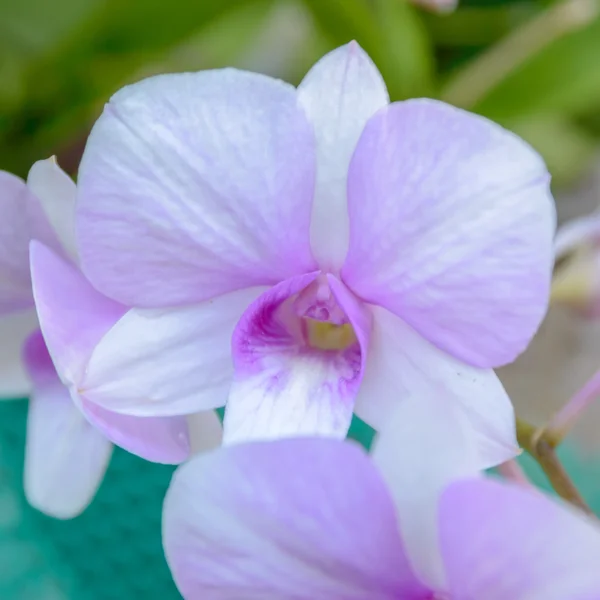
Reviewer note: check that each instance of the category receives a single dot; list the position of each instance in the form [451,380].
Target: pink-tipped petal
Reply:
[437,419]
[73,315]
[339,94]
[15,282]
[56,193]
[283,387]
[194,185]
[451,226]
[503,541]
[167,362]
[14,330]
[293,519]
[65,457]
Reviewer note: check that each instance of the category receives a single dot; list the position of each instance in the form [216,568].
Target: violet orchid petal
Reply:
[15,281]
[73,315]
[505,541]
[65,457]
[295,519]
[451,226]
[14,330]
[56,192]
[157,362]
[285,384]
[339,94]
[201,184]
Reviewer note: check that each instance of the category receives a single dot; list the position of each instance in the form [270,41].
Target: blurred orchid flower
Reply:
[441,6]
[312,519]
[577,275]
[68,438]
[355,252]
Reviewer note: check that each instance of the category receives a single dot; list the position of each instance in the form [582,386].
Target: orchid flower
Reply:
[68,437]
[440,6]
[312,519]
[300,254]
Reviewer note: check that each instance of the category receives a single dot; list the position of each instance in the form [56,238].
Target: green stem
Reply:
[541,448]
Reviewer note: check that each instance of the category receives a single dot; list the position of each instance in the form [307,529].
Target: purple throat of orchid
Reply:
[310,322]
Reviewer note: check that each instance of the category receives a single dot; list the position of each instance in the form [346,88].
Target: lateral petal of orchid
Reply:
[158,439]
[73,315]
[437,419]
[201,183]
[303,518]
[15,282]
[65,457]
[14,330]
[167,362]
[56,192]
[282,388]
[451,226]
[339,94]
[503,541]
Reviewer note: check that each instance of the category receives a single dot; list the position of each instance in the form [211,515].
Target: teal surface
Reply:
[111,552]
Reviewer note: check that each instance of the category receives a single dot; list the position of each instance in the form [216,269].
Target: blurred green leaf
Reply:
[63,86]
[563,76]
[392,33]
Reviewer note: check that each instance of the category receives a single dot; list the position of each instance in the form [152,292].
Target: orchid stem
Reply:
[567,416]
[513,471]
[534,441]
[476,80]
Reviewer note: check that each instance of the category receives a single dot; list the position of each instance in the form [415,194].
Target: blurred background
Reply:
[531,65]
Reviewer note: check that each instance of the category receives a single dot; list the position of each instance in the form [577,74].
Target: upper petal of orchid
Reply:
[65,457]
[437,419]
[167,362]
[15,282]
[503,541]
[298,354]
[200,184]
[339,94]
[294,519]
[451,226]
[73,315]
[15,328]
[56,193]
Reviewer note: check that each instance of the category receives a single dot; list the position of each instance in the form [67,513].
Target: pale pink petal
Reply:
[15,282]
[451,226]
[157,362]
[65,457]
[283,387]
[502,541]
[73,315]
[339,94]
[56,193]
[15,328]
[437,419]
[293,519]
[196,184]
